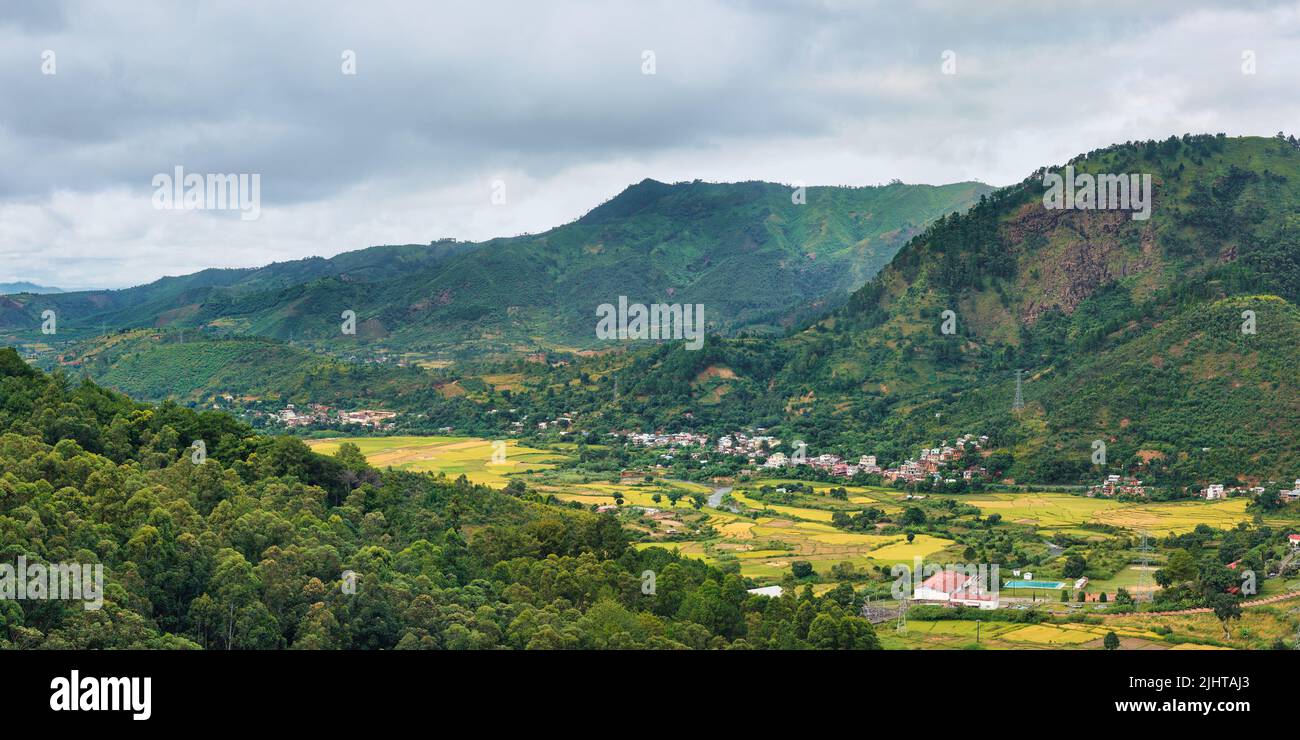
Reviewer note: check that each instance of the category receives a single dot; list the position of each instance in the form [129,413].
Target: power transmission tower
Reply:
[1145,549]
[901,625]
[1019,403]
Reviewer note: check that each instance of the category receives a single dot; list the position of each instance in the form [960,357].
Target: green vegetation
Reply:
[751,256]
[252,547]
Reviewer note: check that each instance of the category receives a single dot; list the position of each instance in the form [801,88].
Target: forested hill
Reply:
[1127,330]
[746,251]
[249,547]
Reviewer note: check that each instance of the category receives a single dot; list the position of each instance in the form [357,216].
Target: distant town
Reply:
[929,465]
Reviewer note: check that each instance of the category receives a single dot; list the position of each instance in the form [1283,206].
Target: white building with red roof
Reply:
[951,586]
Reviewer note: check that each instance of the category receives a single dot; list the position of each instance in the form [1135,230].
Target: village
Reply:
[758,447]
[320,414]
[1114,486]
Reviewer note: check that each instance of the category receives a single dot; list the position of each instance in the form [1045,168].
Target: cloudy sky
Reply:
[550,104]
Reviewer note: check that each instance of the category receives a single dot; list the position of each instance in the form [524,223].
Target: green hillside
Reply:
[1126,330]
[754,258]
[265,544]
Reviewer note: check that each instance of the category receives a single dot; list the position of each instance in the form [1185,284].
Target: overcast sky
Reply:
[551,99]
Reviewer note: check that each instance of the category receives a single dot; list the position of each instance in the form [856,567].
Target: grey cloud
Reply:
[448,96]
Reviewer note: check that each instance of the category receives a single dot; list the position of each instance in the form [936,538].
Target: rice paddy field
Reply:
[1061,511]
[764,539]
[1257,629]
[766,546]
[454,456]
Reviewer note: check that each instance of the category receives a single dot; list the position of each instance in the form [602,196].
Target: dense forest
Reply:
[263,544]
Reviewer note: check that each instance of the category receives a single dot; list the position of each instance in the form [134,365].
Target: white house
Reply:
[1214,491]
[952,587]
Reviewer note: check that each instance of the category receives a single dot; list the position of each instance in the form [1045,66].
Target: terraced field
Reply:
[1061,511]
[454,456]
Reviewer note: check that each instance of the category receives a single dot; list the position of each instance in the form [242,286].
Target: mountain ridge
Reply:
[698,242]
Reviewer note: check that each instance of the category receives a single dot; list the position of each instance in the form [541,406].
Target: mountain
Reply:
[173,300]
[752,256]
[193,368]
[26,287]
[1126,330]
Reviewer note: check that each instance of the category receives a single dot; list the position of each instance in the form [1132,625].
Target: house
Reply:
[956,588]
[776,460]
[1293,494]
[1214,492]
[1294,541]
[769,591]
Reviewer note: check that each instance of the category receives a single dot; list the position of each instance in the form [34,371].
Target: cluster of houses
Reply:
[316,413]
[677,439]
[750,446]
[1115,485]
[929,465]
[1216,491]
[932,460]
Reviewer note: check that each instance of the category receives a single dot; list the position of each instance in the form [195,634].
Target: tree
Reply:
[1074,565]
[1268,501]
[1111,641]
[801,568]
[1226,607]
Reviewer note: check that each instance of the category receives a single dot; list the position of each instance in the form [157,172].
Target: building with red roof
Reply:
[954,587]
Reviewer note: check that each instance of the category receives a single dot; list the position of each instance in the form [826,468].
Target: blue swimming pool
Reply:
[1035,584]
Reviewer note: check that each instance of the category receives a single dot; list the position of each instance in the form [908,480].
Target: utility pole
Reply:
[1145,549]
[1019,402]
